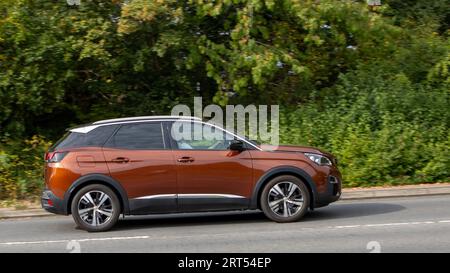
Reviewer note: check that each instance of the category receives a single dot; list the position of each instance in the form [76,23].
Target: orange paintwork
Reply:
[152,172]
[149,172]
[222,172]
[264,161]
[78,162]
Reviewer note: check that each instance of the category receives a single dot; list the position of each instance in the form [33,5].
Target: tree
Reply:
[259,51]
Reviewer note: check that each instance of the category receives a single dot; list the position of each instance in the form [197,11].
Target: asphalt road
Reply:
[412,224]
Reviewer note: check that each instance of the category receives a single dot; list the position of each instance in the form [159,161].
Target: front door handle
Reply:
[121,160]
[185,159]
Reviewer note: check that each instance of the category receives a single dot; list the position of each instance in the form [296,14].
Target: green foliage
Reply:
[21,168]
[381,130]
[413,13]
[281,50]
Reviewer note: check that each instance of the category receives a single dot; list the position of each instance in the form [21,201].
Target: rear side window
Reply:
[141,136]
[95,138]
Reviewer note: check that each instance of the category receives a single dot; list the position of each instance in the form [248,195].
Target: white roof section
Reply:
[83,130]
[143,118]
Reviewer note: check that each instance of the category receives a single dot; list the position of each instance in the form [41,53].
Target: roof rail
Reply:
[144,118]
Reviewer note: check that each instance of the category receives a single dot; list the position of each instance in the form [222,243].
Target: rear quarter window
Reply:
[95,138]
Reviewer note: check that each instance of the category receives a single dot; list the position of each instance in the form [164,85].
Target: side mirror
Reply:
[236,145]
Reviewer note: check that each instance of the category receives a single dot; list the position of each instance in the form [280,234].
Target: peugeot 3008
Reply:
[135,166]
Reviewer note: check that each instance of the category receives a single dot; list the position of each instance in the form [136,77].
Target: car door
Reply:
[209,175]
[138,156]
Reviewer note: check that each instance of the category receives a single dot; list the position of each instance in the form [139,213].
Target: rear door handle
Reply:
[185,159]
[121,160]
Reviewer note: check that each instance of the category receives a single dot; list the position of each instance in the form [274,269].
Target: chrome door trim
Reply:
[189,195]
[156,196]
[209,195]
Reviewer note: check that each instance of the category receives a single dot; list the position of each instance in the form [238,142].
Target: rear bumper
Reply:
[332,194]
[52,204]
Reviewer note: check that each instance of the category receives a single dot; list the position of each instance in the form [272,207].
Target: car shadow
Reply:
[338,211]
[190,219]
[352,210]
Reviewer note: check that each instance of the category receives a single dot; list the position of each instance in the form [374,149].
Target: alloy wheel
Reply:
[95,208]
[285,199]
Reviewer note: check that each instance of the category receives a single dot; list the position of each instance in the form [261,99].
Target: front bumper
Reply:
[332,194]
[52,204]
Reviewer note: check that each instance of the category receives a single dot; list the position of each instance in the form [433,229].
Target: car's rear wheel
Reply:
[95,208]
[285,199]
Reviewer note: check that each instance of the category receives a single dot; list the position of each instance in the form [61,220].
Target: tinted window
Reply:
[96,137]
[145,136]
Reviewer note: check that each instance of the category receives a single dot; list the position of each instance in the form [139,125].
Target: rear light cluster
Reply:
[48,202]
[46,199]
[54,157]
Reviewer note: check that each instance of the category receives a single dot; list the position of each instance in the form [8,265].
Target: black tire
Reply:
[294,211]
[110,206]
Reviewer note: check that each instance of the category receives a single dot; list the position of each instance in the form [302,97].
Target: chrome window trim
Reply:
[143,118]
[87,129]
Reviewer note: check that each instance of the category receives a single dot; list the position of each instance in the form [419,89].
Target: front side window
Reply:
[198,136]
[141,136]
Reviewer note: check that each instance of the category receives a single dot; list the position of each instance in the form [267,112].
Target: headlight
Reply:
[319,159]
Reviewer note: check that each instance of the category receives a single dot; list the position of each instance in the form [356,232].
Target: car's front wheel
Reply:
[285,199]
[95,208]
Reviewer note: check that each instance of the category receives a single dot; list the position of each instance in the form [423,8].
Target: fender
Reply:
[86,179]
[283,170]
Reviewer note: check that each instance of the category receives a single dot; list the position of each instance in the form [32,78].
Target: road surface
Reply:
[412,224]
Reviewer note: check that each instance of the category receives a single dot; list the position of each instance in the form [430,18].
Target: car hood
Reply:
[294,148]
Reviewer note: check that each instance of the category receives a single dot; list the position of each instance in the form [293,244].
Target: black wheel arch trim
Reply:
[283,170]
[103,179]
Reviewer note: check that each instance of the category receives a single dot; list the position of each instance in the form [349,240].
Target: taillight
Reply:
[48,155]
[53,157]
